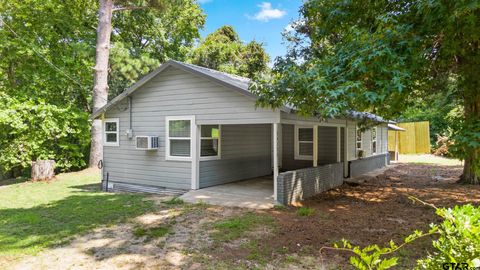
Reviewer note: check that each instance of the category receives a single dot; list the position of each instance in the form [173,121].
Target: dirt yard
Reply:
[185,236]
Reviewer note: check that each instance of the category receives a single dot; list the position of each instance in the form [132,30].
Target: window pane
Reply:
[374,147]
[210,131]
[111,137]
[179,128]
[305,149]
[180,148]
[374,134]
[110,126]
[359,145]
[209,147]
[305,134]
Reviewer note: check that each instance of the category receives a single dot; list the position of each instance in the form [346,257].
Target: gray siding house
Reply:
[185,127]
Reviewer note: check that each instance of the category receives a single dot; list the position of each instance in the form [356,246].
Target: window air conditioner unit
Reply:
[147,142]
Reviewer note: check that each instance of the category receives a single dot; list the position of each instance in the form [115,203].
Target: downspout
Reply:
[129,130]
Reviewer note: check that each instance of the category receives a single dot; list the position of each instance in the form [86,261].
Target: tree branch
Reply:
[128,8]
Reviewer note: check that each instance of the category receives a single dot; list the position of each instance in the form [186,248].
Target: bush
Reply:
[458,244]
[32,130]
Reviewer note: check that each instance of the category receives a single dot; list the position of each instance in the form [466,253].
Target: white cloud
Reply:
[267,13]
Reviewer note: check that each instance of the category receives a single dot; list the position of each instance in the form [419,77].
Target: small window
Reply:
[210,142]
[179,138]
[359,138]
[304,143]
[110,132]
[374,140]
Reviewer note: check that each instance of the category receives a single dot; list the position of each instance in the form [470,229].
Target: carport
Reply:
[255,193]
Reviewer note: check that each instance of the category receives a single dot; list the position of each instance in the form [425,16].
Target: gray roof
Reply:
[234,82]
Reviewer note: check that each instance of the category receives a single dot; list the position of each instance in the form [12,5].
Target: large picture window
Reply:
[179,132]
[210,142]
[374,140]
[303,143]
[111,132]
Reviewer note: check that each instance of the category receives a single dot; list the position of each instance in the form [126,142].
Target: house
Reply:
[205,130]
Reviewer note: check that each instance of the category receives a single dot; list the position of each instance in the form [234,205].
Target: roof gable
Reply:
[233,82]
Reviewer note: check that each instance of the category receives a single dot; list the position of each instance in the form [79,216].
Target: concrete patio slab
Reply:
[256,193]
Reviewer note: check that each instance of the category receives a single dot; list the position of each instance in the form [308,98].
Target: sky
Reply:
[262,21]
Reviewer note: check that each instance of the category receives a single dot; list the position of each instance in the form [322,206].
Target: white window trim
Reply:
[357,141]
[372,140]
[219,152]
[104,132]
[297,142]
[191,138]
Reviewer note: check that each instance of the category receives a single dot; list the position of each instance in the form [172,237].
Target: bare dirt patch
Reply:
[373,212]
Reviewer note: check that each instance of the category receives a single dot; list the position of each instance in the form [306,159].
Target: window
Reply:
[374,140]
[179,132]
[304,143]
[209,142]
[110,132]
[359,138]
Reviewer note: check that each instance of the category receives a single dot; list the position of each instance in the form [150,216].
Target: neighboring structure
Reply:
[415,138]
[204,129]
[394,141]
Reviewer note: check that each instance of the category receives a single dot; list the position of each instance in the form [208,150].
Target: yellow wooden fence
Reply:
[414,140]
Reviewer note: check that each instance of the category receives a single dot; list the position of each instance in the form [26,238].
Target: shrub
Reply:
[458,243]
[32,130]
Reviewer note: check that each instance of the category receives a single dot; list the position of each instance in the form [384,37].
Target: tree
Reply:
[46,59]
[104,31]
[381,57]
[223,50]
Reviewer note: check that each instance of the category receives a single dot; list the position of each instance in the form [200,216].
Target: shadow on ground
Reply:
[31,229]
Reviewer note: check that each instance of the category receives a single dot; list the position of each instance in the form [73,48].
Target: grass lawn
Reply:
[427,159]
[37,215]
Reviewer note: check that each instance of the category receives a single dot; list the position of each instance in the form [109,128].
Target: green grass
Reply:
[38,215]
[305,211]
[236,227]
[152,233]
[174,201]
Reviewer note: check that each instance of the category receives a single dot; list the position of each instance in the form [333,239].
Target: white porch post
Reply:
[275,158]
[345,153]
[195,151]
[315,146]
[339,145]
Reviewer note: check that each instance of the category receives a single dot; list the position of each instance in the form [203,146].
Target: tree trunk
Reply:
[100,88]
[471,169]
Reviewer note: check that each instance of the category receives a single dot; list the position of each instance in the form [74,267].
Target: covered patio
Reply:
[255,193]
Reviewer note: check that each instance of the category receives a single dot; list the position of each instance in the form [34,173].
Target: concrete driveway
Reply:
[256,193]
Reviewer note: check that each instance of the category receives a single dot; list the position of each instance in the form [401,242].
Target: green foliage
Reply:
[381,57]
[47,52]
[305,211]
[37,130]
[223,50]
[458,242]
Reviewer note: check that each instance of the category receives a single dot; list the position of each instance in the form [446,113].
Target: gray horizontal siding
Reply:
[288,151]
[245,153]
[327,145]
[175,92]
